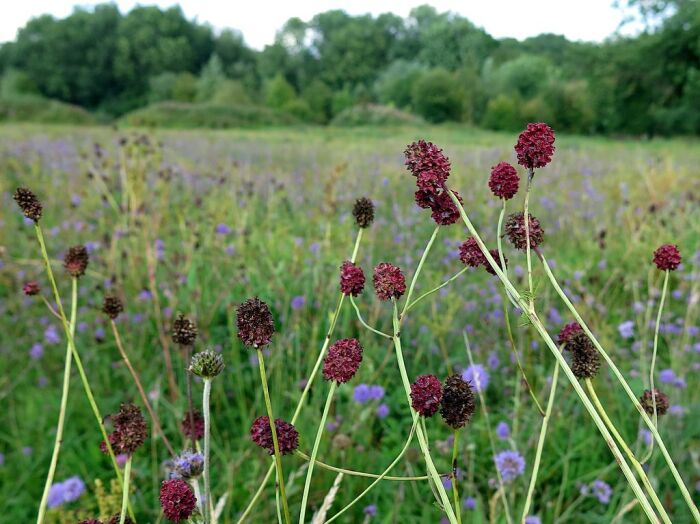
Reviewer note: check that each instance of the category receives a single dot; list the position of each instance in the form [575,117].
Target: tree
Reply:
[437,96]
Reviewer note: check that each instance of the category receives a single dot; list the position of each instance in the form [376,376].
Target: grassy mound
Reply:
[374,115]
[42,110]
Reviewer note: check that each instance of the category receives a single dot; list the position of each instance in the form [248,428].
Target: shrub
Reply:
[373,114]
[31,108]
[437,96]
[502,113]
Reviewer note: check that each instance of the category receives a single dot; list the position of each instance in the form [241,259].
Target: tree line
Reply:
[438,66]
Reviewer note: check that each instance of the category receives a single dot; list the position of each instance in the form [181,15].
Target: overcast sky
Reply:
[259,19]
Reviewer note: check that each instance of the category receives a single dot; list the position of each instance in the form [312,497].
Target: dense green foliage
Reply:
[436,65]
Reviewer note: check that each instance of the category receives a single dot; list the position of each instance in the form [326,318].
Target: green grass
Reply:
[286,195]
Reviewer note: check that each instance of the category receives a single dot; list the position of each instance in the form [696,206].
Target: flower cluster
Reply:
[28,203]
[76,261]
[184,331]
[129,432]
[426,394]
[458,402]
[647,401]
[254,322]
[389,281]
[667,257]
[193,425]
[188,465]
[112,306]
[352,279]
[471,255]
[287,435]
[206,364]
[585,361]
[504,181]
[568,331]
[515,229]
[177,500]
[510,464]
[66,491]
[343,360]
[535,146]
[363,211]
[31,288]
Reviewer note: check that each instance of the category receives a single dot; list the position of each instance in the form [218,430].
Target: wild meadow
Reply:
[183,229]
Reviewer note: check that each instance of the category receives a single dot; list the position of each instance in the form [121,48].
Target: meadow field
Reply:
[196,222]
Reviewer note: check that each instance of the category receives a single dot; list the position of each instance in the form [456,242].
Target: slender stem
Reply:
[359,317]
[662,446]
[314,452]
[381,477]
[275,441]
[455,490]
[419,269]
[540,442]
[435,289]
[526,221]
[492,443]
[422,441]
[64,403]
[537,323]
[125,490]
[356,473]
[190,408]
[499,240]
[309,383]
[207,450]
[633,460]
[139,386]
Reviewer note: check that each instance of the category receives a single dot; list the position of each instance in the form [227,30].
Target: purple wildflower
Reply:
[510,464]
[477,376]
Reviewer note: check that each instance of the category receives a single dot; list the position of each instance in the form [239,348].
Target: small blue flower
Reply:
[298,302]
[602,491]
[382,411]
[469,503]
[477,376]
[503,431]
[626,329]
[370,510]
[510,464]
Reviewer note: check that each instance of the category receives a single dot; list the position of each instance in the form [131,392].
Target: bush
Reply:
[180,87]
[394,84]
[230,93]
[373,114]
[37,109]
[437,96]
[279,93]
[502,113]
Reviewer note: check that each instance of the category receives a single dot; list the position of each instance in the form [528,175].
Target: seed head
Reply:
[112,306]
[255,324]
[28,203]
[193,425]
[667,257]
[535,146]
[458,404]
[352,279]
[504,181]
[177,500]
[206,364]
[287,435]
[567,332]
[585,361]
[31,288]
[363,211]
[130,430]
[343,360]
[647,402]
[184,331]
[389,281]
[426,393]
[76,261]
[515,229]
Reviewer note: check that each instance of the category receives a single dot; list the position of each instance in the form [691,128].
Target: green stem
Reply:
[419,269]
[314,452]
[499,240]
[526,221]
[540,442]
[64,403]
[455,490]
[275,441]
[626,387]
[435,289]
[562,362]
[125,490]
[633,460]
[422,441]
[207,450]
[381,477]
[356,473]
[359,317]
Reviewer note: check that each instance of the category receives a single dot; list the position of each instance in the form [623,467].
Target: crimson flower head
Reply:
[287,435]
[425,156]
[515,229]
[470,254]
[504,181]
[130,430]
[31,288]
[497,259]
[255,324]
[426,394]
[568,331]
[389,282]
[352,279]
[343,360]
[177,500]
[535,146]
[193,425]
[667,257]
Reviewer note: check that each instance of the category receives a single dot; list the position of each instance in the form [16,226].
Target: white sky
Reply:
[258,20]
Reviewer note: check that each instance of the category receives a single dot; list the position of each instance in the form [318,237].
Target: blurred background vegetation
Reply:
[154,67]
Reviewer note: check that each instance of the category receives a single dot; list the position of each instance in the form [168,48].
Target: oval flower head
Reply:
[389,281]
[667,257]
[426,394]
[535,146]
[254,322]
[343,360]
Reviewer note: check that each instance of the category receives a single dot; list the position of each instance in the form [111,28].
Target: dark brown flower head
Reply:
[470,254]
[28,203]
[177,500]
[206,364]
[535,146]
[130,430]
[458,402]
[667,257]
[352,279]
[515,229]
[585,361]
[426,393]
[112,306]
[497,259]
[504,181]
[363,211]
[425,156]
[184,330]
[287,435]
[255,324]
[76,261]
[567,332]
[343,360]
[114,519]
[31,288]
[193,425]
[647,402]
[389,282]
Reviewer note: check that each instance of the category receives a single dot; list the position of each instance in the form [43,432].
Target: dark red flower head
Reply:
[535,146]
[497,259]
[177,500]
[444,210]
[426,393]
[515,229]
[130,430]
[28,203]
[76,261]
[470,254]
[425,156]
[458,402]
[287,435]
[389,282]
[504,181]
[667,257]
[112,306]
[343,360]
[647,402]
[31,288]
[193,425]
[184,330]
[352,279]
[255,324]
[568,331]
